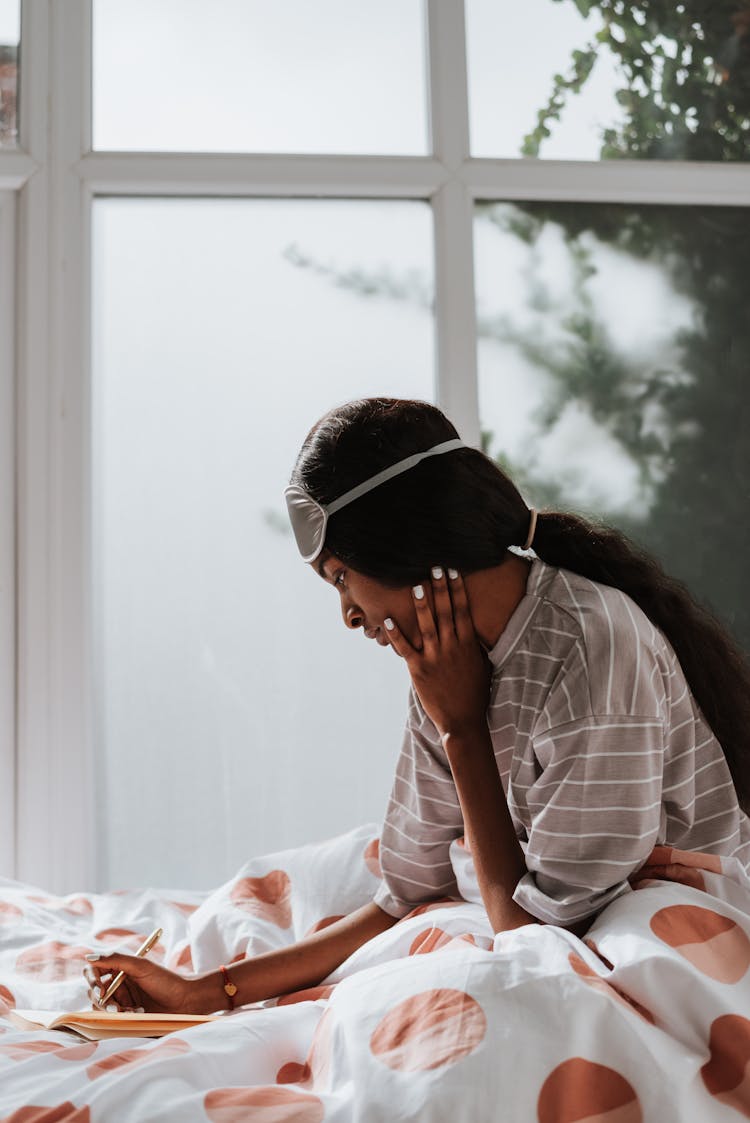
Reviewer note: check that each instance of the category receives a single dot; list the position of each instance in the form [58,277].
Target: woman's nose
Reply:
[353,618]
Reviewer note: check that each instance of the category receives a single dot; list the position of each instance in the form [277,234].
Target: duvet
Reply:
[647,1017]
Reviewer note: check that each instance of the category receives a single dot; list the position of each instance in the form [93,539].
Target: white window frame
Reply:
[47,743]
[7,530]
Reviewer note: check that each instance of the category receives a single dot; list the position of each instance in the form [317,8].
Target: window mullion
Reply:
[54,807]
[609,181]
[7,537]
[33,725]
[246,175]
[455,315]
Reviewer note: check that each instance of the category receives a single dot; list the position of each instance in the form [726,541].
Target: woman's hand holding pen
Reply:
[146,985]
[451,673]
[294,967]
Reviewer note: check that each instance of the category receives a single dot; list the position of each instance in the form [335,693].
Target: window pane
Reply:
[584,79]
[10,20]
[233,703]
[614,350]
[340,76]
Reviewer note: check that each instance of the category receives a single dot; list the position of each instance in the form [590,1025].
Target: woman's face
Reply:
[365,602]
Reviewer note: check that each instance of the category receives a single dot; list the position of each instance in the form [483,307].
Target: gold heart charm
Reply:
[230,989]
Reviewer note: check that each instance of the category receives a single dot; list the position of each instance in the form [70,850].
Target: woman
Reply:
[567,713]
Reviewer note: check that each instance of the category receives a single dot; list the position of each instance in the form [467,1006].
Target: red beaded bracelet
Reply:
[229,988]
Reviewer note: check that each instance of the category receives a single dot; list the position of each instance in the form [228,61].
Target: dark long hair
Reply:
[462,510]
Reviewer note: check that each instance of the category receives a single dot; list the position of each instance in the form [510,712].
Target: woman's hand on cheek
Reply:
[451,674]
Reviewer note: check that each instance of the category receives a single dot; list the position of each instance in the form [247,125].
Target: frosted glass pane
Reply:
[233,703]
[10,19]
[614,345]
[612,81]
[339,76]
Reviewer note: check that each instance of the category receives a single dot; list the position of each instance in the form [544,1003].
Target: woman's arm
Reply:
[452,679]
[300,965]
[498,858]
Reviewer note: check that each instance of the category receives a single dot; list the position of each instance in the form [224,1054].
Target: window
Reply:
[214,643]
[532,214]
[258,77]
[613,345]
[590,80]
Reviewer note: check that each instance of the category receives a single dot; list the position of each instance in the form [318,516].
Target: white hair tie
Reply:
[532,528]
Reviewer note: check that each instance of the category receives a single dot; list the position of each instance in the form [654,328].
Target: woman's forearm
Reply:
[498,858]
[295,967]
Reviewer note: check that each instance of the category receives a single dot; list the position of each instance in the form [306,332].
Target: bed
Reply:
[646,1017]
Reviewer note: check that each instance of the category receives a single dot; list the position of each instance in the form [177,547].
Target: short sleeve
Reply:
[422,819]
[595,814]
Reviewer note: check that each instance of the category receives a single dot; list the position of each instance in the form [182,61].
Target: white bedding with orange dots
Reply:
[645,1019]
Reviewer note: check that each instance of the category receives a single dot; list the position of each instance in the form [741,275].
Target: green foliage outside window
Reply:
[685,71]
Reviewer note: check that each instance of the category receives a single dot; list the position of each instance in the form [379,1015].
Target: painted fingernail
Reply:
[140,1010]
[437,572]
[418,592]
[452,573]
[93,956]
[388,623]
[111,1008]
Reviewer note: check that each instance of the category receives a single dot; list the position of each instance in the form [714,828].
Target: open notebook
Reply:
[97,1024]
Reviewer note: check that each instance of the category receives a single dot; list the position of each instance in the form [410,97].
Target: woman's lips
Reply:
[376,634]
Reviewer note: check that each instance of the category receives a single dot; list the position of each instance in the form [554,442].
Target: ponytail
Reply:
[716,670]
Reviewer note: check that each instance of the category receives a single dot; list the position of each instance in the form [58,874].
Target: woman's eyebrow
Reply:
[320,566]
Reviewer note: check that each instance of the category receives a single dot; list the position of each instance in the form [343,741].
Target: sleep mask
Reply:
[309,518]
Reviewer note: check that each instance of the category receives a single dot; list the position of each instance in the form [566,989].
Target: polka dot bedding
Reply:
[646,1017]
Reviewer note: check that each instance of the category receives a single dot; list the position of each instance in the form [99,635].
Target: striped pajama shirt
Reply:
[601,749]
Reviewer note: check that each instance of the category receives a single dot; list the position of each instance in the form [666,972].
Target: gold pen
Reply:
[142,950]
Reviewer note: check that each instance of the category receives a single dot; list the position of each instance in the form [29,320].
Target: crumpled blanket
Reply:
[647,1017]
